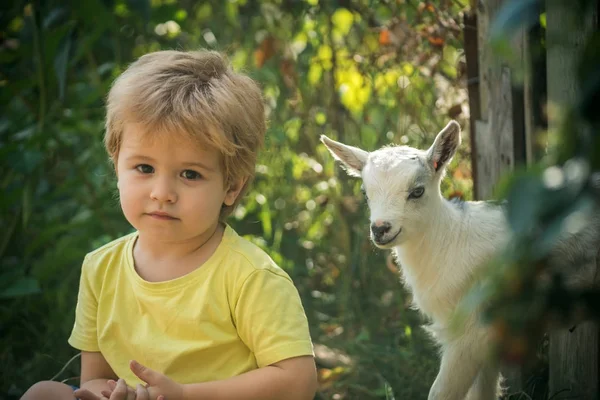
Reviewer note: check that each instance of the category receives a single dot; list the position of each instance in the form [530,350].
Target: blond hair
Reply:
[196,93]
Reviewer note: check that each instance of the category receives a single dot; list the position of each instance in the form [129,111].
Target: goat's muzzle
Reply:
[380,231]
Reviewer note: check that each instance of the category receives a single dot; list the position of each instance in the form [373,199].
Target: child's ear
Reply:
[234,191]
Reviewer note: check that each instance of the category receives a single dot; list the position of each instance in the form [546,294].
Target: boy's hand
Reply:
[159,386]
[84,394]
[119,391]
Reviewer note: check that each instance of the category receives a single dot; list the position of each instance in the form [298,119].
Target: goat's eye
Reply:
[416,193]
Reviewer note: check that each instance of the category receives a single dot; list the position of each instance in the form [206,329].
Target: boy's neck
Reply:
[158,260]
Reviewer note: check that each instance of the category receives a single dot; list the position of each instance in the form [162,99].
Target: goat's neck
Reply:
[425,259]
[439,230]
[438,263]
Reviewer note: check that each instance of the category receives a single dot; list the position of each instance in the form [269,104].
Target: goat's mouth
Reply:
[384,241]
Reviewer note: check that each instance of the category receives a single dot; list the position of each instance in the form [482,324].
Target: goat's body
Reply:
[439,267]
[575,255]
[440,247]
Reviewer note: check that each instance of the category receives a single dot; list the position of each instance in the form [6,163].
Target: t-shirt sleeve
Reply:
[84,335]
[270,318]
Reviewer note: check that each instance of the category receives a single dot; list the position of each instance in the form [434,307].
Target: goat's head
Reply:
[401,183]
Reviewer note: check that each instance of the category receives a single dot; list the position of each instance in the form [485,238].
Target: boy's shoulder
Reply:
[114,249]
[105,259]
[117,244]
[249,256]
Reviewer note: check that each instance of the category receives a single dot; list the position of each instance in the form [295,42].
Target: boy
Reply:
[184,308]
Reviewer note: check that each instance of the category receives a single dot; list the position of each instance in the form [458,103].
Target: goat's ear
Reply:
[352,158]
[444,147]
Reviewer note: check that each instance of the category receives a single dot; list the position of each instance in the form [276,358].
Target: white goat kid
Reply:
[439,245]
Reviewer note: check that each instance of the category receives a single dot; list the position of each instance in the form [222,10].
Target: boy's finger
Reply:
[131,393]
[141,393]
[84,394]
[120,392]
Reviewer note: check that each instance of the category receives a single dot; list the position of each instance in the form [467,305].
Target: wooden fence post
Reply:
[499,141]
[573,356]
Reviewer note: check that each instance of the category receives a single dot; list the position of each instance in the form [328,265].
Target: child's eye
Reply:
[145,168]
[191,175]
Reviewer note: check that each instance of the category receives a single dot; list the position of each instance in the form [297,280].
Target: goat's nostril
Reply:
[380,229]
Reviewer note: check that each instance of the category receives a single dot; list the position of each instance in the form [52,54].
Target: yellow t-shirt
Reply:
[237,312]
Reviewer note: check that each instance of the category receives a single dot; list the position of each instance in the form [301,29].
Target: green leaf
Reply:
[8,232]
[55,17]
[141,7]
[94,14]
[342,19]
[524,207]
[27,202]
[265,219]
[26,133]
[22,287]
[61,61]
[515,15]
[203,12]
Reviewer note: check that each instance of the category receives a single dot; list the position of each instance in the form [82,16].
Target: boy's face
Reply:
[170,186]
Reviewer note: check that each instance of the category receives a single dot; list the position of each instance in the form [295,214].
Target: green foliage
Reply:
[363,72]
[523,300]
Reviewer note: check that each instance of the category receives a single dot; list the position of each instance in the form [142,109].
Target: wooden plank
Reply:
[573,356]
[494,137]
[521,85]
[470,35]
[528,101]
[495,145]
[483,21]
[484,159]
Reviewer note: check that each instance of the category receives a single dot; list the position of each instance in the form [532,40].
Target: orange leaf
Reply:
[287,72]
[384,37]
[458,174]
[457,194]
[265,51]
[259,57]
[437,41]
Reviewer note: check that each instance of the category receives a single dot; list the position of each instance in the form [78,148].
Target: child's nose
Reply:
[164,191]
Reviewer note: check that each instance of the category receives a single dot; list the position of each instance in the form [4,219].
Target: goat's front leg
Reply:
[487,384]
[461,362]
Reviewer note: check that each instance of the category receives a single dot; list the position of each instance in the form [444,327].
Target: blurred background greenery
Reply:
[361,71]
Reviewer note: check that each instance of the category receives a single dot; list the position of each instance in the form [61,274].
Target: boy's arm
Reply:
[95,372]
[291,379]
